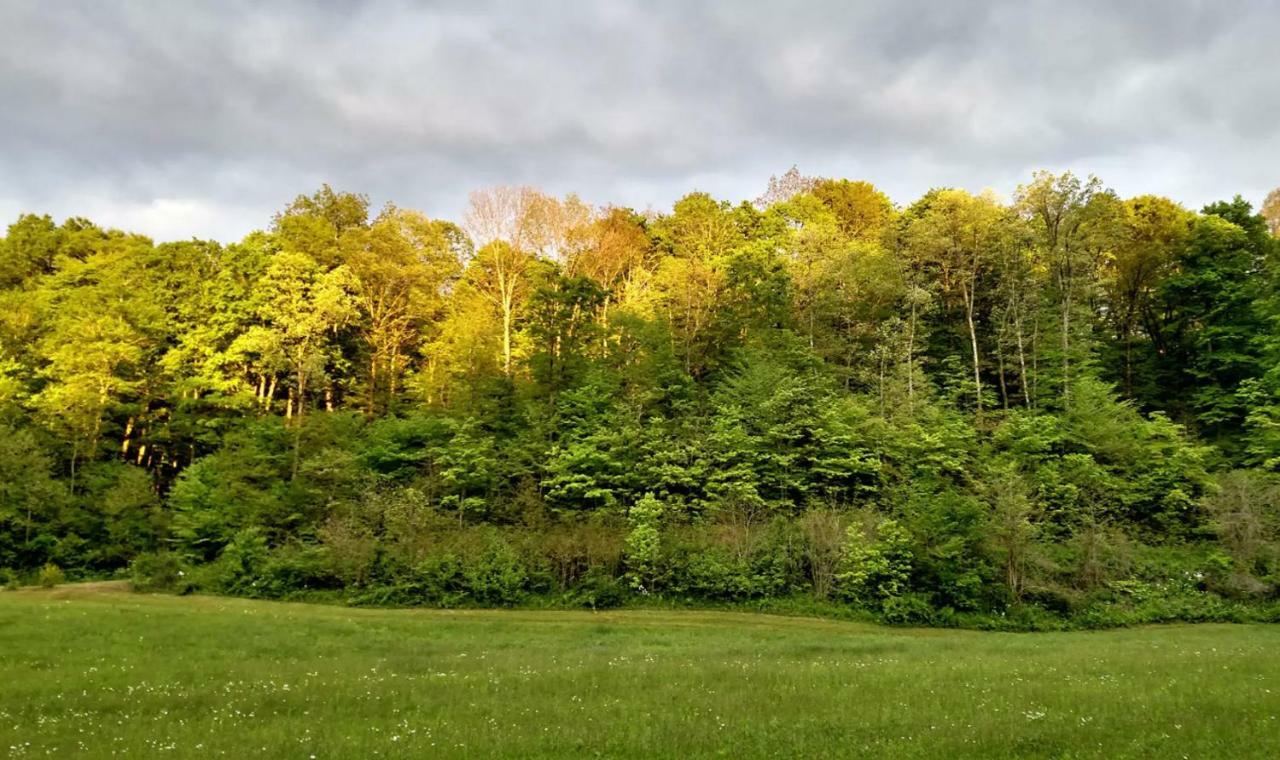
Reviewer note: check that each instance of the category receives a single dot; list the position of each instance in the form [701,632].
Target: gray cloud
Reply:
[182,119]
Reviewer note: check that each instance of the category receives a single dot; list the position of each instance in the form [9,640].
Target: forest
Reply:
[1058,408]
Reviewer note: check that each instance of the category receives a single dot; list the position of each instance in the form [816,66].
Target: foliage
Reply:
[964,411]
[50,575]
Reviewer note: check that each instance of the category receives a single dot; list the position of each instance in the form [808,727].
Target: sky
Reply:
[193,119]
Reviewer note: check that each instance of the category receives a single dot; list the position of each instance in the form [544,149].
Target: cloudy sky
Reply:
[183,119]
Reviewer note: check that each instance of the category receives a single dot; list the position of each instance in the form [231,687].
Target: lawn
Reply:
[100,671]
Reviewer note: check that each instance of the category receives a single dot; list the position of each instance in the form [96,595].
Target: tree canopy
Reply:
[964,403]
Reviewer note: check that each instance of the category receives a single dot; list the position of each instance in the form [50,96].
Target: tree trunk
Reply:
[911,358]
[506,337]
[1022,359]
[973,344]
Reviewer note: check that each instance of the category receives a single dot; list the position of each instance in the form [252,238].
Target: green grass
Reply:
[101,672]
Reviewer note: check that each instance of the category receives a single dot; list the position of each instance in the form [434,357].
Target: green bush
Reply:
[908,609]
[238,569]
[599,590]
[496,576]
[157,571]
[290,570]
[872,571]
[50,575]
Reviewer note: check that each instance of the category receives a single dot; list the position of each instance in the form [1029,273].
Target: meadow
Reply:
[98,671]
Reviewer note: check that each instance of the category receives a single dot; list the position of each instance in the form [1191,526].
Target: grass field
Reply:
[99,671]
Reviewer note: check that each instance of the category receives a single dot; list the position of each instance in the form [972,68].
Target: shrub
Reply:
[908,609]
[599,590]
[50,575]
[496,576]
[872,571]
[644,543]
[295,568]
[440,578]
[823,530]
[158,571]
[239,567]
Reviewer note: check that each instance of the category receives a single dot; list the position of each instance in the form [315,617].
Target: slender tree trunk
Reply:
[1004,388]
[973,344]
[506,336]
[1066,348]
[302,394]
[911,358]
[124,443]
[1022,358]
[1035,361]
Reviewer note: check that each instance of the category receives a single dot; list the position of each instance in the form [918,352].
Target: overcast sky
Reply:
[181,119]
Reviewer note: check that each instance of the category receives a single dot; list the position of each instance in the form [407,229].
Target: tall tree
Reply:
[960,234]
[400,267]
[1271,211]
[1075,222]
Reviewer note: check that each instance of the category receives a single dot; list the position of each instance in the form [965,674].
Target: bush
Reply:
[158,571]
[238,569]
[439,579]
[908,609]
[599,590]
[496,576]
[644,543]
[50,575]
[296,568]
[873,571]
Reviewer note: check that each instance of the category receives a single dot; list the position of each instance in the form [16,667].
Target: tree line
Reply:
[1061,405]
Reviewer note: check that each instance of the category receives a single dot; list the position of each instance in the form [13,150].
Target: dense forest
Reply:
[1058,408]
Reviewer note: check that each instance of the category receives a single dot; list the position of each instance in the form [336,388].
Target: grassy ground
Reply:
[99,671]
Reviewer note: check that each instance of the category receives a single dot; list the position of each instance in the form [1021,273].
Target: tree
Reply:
[1155,230]
[960,235]
[1271,211]
[614,250]
[30,499]
[644,543]
[503,275]
[340,211]
[720,402]
[103,327]
[29,249]
[784,188]
[1208,337]
[1074,223]
[528,220]
[864,213]
[400,268]
[1013,531]
[303,305]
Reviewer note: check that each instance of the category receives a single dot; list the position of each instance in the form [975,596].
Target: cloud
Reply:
[203,119]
